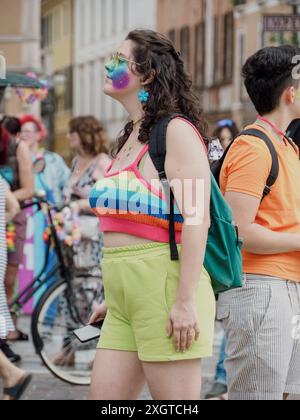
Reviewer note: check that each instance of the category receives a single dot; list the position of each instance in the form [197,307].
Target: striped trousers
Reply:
[6,323]
[262,325]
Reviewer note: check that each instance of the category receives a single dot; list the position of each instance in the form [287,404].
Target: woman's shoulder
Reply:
[54,157]
[183,123]
[103,161]
[181,128]
[104,158]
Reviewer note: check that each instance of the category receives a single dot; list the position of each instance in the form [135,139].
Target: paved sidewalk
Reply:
[46,387]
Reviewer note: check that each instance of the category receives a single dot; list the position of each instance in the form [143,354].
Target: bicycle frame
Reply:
[38,282]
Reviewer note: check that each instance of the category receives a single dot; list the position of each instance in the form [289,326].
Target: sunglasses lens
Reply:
[225,123]
[117,59]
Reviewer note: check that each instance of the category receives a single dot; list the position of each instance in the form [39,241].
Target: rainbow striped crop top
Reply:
[125,202]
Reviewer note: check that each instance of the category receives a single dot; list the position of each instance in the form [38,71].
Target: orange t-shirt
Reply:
[245,170]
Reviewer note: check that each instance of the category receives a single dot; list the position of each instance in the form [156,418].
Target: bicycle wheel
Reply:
[59,312]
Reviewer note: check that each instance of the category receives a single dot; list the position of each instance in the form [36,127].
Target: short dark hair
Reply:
[294,131]
[12,125]
[267,74]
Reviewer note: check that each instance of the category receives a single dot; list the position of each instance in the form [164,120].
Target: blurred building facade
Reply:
[57,29]
[68,42]
[20,45]
[215,37]
[203,32]
[251,35]
[100,27]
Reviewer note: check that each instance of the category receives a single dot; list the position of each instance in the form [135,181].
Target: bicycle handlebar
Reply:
[31,204]
[42,200]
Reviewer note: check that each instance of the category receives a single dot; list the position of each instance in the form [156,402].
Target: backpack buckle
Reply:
[267,190]
[162,175]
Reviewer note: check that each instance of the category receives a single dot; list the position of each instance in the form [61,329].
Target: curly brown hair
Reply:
[93,136]
[171,89]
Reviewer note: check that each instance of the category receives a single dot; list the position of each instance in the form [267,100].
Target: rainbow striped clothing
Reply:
[125,202]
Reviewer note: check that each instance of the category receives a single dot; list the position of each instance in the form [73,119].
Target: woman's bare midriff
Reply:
[116,240]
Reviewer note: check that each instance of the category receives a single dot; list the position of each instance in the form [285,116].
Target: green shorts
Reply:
[140,284]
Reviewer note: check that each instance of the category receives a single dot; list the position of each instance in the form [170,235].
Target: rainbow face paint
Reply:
[120,77]
[118,71]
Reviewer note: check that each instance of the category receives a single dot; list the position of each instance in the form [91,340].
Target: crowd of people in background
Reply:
[21,141]
[259,357]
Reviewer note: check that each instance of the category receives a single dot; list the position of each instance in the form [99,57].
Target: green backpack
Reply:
[223,259]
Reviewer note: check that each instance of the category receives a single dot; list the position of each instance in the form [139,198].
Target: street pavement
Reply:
[46,387]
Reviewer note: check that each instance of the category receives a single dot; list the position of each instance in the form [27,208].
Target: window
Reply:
[228,46]
[93,20]
[239,2]
[172,36]
[125,14]
[185,46]
[103,19]
[200,55]
[47,31]
[114,15]
[44,33]
[57,24]
[82,24]
[241,53]
[68,99]
[66,19]
[216,49]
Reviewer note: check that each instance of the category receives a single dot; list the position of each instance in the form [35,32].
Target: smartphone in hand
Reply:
[89,332]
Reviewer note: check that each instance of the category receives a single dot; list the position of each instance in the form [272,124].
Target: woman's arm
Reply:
[187,165]
[12,205]
[103,163]
[64,171]
[26,174]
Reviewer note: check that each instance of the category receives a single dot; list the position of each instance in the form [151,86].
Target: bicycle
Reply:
[65,304]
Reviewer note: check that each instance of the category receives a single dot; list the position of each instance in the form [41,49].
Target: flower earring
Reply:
[143,96]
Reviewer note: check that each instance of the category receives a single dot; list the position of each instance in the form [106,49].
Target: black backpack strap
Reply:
[275,162]
[157,152]
[217,166]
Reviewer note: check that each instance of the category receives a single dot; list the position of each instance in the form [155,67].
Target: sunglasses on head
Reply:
[225,123]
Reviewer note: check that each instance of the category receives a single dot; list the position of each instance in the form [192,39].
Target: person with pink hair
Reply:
[30,132]
[56,172]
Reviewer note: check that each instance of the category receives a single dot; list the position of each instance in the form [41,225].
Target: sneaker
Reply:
[7,351]
[218,391]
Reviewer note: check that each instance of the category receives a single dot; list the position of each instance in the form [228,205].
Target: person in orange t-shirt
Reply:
[262,320]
